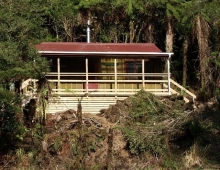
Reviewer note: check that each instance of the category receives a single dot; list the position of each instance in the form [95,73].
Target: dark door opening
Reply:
[93,67]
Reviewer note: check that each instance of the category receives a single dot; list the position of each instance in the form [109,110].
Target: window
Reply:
[133,67]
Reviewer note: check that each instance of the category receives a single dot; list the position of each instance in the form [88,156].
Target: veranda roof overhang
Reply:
[118,50]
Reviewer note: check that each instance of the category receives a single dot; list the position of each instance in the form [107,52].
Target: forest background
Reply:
[189,28]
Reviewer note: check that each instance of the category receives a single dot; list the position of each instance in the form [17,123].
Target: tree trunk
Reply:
[169,36]
[132,31]
[150,33]
[68,27]
[185,49]
[202,34]
[169,40]
[142,25]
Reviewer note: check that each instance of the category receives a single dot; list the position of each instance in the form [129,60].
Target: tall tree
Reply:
[202,35]
[132,9]
[172,13]
[64,18]
[20,29]
[202,21]
[184,28]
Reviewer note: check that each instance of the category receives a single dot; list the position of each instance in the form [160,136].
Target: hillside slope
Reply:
[140,132]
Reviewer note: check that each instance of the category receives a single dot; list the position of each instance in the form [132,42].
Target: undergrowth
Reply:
[165,130]
[12,129]
[158,135]
[142,129]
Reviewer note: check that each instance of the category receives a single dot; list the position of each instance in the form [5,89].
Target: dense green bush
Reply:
[142,129]
[144,107]
[11,125]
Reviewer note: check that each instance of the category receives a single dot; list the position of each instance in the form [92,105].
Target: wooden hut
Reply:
[103,72]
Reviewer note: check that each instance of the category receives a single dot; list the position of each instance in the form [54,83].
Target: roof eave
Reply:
[79,53]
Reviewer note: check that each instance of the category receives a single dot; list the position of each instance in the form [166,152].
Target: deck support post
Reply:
[87,76]
[115,70]
[58,74]
[168,73]
[143,78]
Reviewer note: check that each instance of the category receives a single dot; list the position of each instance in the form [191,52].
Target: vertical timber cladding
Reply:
[153,65]
[107,66]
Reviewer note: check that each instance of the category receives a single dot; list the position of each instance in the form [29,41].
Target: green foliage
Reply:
[20,154]
[38,133]
[157,136]
[142,129]
[11,126]
[85,142]
[172,164]
[204,129]
[89,4]
[14,67]
[145,107]
[58,143]
[130,5]
[140,140]
[43,104]
[20,29]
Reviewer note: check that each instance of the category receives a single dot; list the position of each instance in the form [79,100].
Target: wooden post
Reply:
[87,76]
[168,73]
[143,78]
[115,68]
[58,74]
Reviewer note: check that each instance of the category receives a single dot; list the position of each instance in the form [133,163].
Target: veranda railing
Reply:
[116,84]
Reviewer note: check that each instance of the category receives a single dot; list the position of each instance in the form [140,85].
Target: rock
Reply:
[201,107]
[210,104]
[189,106]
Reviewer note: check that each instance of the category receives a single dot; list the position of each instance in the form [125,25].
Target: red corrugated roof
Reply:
[77,48]
[97,47]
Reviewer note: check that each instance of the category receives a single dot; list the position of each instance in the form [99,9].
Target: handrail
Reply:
[100,73]
[109,81]
[110,74]
[183,89]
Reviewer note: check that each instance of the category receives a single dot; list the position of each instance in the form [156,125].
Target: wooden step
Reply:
[89,104]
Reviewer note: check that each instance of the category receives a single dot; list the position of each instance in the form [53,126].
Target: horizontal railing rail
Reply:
[109,81]
[107,74]
[107,90]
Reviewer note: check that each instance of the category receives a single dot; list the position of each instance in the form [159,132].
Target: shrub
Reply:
[11,125]
[142,129]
